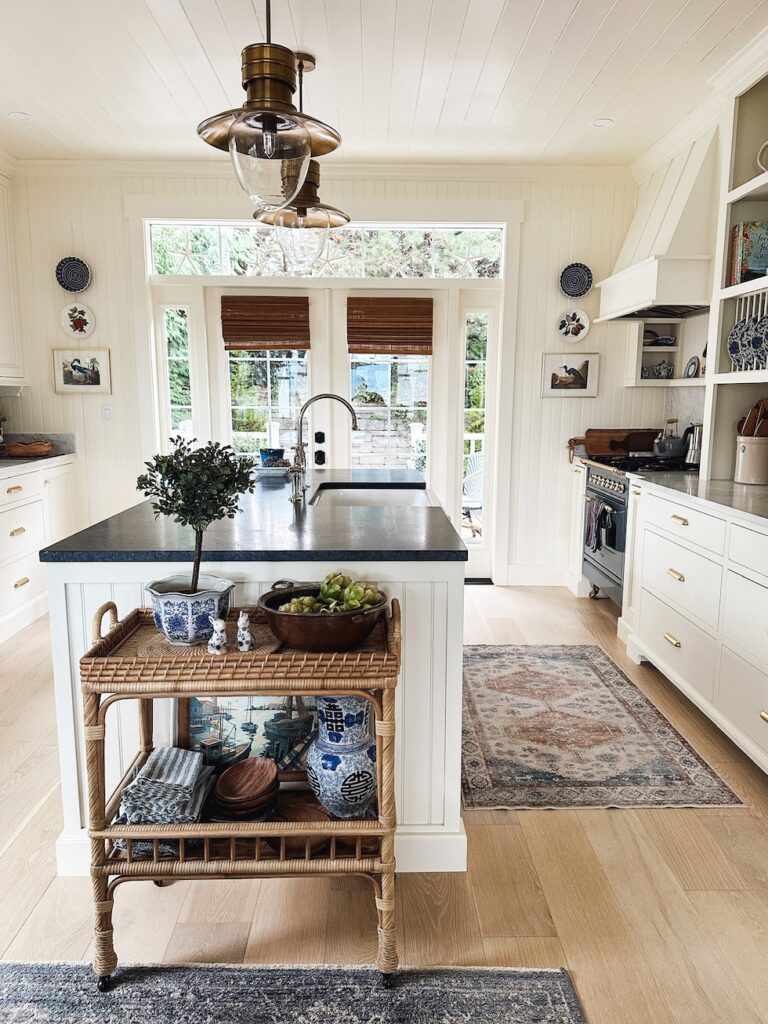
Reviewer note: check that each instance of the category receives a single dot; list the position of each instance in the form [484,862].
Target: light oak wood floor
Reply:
[660,915]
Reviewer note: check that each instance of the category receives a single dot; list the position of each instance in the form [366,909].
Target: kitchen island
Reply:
[381,525]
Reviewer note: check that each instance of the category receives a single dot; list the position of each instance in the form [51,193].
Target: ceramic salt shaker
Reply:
[218,642]
[244,633]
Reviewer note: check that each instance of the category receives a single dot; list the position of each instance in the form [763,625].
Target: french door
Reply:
[435,414]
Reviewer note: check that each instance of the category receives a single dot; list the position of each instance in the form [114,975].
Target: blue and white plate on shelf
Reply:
[734,344]
[750,342]
[760,350]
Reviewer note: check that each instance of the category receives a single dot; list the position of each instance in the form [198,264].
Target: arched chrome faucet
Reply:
[299,467]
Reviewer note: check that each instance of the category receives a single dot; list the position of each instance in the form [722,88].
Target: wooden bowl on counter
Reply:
[28,449]
[340,631]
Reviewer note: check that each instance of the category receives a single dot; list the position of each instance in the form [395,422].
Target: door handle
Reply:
[672,640]
[764,715]
[16,489]
[680,519]
[21,583]
[676,575]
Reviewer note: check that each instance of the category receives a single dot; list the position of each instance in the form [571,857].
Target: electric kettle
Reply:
[693,452]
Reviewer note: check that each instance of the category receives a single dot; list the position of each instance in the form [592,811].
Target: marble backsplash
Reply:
[685,404]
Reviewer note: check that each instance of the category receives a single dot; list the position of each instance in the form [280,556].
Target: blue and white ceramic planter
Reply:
[341,764]
[185,618]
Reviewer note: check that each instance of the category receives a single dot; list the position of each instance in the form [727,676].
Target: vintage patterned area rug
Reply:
[564,727]
[66,994]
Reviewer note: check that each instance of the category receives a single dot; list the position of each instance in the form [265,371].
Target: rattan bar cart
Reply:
[132,662]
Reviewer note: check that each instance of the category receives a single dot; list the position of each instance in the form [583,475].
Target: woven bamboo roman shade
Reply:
[390,325]
[265,322]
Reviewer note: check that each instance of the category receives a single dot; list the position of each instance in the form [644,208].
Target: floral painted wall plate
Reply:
[78,320]
[573,324]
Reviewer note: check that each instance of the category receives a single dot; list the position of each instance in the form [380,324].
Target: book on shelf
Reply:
[749,251]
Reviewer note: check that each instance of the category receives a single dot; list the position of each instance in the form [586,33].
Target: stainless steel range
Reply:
[605,521]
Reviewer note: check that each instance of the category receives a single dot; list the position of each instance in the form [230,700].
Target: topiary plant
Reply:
[197,487]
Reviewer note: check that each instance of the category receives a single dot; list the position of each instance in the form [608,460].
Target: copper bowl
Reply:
[338,632]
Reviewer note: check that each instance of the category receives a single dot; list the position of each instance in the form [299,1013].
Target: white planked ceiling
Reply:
[487,81]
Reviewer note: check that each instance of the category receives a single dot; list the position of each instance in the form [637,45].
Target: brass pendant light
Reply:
[269,140]
[303,225]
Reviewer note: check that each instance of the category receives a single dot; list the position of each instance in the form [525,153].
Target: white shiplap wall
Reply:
[570,214]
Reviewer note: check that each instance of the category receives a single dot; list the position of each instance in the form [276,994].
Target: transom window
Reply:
[359,251]
[267,390]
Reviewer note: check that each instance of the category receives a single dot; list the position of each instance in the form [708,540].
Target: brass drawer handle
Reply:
[21,583]
[676,575]
[638,493]
[18,531]
[764,715]
[16,489]
[672,640]
[680,519]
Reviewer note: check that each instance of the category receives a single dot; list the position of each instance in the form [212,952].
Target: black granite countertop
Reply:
[269,528]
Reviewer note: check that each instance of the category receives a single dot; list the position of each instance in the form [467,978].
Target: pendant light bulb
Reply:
[302,235]
[270,154]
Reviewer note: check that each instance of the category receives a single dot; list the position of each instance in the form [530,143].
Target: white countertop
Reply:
[10,467]
[747,500]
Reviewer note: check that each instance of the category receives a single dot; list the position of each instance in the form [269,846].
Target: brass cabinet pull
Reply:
[16,489]
[764,715]
[638,493]
[21,583]
[680,519]
[676,575]
[18,531]
[672,640]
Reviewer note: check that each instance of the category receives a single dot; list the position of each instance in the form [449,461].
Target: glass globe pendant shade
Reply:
[302,235]
[270,154]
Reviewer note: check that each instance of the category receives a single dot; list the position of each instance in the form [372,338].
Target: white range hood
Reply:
[664,269]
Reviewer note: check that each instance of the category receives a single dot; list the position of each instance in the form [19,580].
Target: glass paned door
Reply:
[266,392]
[476,518]
[390,396]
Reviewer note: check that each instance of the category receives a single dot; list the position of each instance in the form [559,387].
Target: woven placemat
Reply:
[146,643]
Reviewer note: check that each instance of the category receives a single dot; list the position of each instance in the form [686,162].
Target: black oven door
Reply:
[605,566]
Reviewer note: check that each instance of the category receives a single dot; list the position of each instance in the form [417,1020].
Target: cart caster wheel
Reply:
[104,983]
[159,882]
[594,591]
[387,980]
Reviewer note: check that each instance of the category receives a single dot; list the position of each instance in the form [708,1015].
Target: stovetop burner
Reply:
[639,463]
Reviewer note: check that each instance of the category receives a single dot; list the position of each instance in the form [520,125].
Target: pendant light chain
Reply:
[269,21]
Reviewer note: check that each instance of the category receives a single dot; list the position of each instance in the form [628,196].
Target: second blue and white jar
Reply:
[341,764]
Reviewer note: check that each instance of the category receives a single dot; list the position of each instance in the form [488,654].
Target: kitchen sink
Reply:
[374,497]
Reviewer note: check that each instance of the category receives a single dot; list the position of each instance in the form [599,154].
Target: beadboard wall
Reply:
[570,214]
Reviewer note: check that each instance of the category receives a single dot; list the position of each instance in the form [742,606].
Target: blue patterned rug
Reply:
[66,994]
[564,727]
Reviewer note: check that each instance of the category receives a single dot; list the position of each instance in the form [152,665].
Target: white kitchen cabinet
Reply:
[577,583]
[59,503]
[632,560]
[37,508]
[702,613]
[11,363]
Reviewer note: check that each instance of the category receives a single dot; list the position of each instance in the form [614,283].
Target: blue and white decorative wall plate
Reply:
[184,618]
[576,280]
[341,764]
[73,274]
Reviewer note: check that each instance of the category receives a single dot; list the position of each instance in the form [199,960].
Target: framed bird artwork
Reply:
[567,374]
[82,371]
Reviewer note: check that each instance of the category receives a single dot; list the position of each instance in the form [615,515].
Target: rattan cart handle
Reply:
[98,618]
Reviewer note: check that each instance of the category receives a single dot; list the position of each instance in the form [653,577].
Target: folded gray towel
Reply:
[166,788]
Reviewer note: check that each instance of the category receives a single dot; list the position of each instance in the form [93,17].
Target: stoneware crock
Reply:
[185,618]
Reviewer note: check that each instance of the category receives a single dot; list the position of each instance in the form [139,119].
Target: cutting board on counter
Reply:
[620,442]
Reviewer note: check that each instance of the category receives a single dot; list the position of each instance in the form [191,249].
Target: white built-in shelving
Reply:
[744,197]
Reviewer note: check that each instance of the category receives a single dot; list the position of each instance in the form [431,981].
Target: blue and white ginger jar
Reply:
[341,764]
